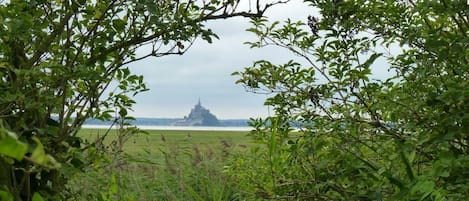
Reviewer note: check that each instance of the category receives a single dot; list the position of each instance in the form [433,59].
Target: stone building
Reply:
[199,116]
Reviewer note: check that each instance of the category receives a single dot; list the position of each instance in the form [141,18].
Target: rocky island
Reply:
[199,116]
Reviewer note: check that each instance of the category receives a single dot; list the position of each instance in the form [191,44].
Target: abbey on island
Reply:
[199,116]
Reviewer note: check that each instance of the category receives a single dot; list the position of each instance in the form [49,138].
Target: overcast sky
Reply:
[177,82]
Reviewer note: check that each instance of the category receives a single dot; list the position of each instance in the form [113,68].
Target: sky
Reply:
[177,82]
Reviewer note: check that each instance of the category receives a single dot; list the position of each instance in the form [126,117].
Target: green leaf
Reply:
[123,112]
[118,24]
[40,157]
[11,146]
[37,197]
[5,196]
[371,60]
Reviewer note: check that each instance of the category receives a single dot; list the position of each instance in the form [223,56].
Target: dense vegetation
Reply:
[62,62]
[402,137]
[163,165]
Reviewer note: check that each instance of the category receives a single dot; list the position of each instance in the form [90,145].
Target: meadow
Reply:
[162,165]
[153,140]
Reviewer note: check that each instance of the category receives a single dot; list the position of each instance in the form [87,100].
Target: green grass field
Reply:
[163,165]
[156,139]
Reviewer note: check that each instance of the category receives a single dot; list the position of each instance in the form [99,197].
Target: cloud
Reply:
[176,82]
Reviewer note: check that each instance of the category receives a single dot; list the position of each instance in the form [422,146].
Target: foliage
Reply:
[62,62]
[403,137]
[180,168]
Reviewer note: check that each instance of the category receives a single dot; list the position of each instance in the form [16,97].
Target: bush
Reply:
[402,137]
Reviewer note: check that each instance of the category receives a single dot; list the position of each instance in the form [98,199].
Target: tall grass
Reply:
[181,168]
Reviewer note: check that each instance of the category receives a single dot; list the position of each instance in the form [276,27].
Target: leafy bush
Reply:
[403,137]
[62,62]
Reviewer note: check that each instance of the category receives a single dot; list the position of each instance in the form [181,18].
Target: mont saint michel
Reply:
[199,116]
